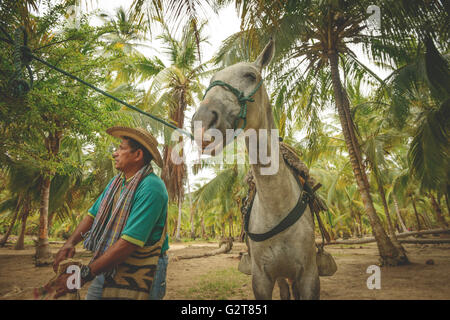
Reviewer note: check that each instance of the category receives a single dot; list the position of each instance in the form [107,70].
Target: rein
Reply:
[242,99]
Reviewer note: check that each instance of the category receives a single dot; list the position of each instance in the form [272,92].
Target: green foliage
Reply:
[57,130]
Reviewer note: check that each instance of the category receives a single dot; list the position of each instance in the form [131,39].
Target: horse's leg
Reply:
[262,285]
[307,285]
[284,289]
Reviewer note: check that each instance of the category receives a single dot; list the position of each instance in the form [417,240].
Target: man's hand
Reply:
[60,286]
[66,252]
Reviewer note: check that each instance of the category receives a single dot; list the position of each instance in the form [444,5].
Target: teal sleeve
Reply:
[147,209]
[94,209]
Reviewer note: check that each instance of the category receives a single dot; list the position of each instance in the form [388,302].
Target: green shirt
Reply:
[145,223]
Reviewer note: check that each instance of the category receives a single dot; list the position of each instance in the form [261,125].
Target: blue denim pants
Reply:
[157,291]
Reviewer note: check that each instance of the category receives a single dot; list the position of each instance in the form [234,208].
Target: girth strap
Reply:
[289,220]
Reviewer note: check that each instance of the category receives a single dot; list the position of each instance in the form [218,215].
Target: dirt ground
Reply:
[427,277]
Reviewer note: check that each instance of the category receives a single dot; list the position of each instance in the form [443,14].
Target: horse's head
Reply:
[234,100]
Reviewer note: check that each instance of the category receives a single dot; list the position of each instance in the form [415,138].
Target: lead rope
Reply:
[23,57]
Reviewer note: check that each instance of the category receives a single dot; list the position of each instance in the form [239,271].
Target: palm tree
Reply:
[420,104]
[175,12]
[174,89]
[378,138]
[317,34]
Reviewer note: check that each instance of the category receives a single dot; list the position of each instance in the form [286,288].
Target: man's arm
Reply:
[68,249]
[113,256]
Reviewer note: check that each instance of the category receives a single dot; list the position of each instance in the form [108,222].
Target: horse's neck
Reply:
[277,193]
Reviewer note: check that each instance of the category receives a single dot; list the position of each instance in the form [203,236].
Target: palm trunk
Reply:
[174,231]
[191,221]
[397,211]
[426,219]
[174,174]
[13,222]
[438,211]
[25,213]
[448,204]
[202,223]
[178,238]
[416,214]
[50,220]
[360,226]
[192,210]
[43,255]
[388,217]
[389,254]
[223,230]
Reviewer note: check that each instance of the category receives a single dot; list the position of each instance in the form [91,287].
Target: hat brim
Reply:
[142,136]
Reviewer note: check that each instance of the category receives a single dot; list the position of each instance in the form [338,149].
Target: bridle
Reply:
[242,99]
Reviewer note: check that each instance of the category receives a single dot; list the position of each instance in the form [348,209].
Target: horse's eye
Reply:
[250,75]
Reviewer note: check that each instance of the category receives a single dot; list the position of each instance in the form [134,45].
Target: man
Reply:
[125,228]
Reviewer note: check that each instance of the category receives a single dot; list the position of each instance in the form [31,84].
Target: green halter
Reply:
[240,96]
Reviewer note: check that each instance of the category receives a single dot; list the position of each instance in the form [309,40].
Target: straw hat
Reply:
[140,135]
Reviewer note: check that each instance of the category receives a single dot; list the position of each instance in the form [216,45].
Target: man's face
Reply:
[124,156]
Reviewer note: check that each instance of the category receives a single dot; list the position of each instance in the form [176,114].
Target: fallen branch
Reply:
[424,241]
[57,242]
[399,235]
[224,247]
[414,233]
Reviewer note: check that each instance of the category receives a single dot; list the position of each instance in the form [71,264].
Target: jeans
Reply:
[157,292]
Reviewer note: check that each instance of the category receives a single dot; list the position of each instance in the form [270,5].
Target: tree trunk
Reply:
[400,235]
[213,231]
[438,211]
[448,204]
[355,223]
[389,254]
[192,223]
[13,222]
[178,238]
[242,232]
[192,209]
[43,254]
[397,211]
[416,214]
[388,217]
[50,220]
[202,223]
[224,247]
[25,213]
[174,231]
[426,219]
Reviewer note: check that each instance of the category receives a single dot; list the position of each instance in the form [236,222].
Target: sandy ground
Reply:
[419,280]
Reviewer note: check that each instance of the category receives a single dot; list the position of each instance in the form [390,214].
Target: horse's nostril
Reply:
[214,119]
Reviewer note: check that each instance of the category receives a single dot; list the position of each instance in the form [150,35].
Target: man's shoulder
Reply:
[153,183]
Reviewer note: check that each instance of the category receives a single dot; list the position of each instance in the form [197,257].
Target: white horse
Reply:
[291,253]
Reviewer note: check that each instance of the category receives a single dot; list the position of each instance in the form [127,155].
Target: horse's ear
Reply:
[266,55]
